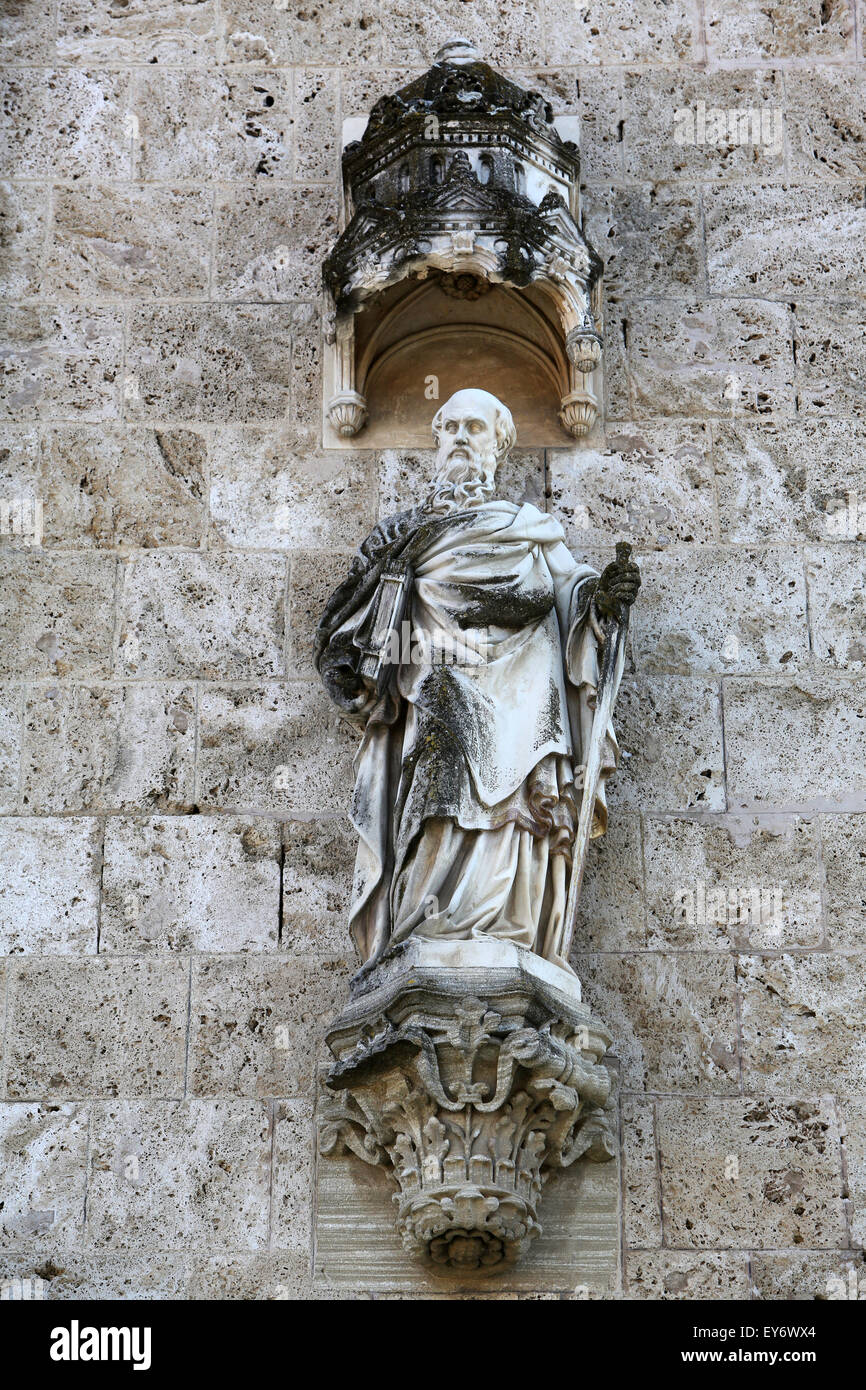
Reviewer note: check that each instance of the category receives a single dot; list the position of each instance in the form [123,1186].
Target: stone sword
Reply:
[612,662]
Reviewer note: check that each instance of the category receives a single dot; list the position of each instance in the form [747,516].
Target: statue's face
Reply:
[467,432]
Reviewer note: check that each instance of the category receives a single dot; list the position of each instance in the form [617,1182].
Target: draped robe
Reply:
[469,774]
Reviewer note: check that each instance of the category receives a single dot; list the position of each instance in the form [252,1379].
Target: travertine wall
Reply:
[174,855]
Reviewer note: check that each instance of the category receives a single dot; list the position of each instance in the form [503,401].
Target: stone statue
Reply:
[465,643]
[481,661]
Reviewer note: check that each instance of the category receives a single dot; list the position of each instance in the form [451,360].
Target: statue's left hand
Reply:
[617,589]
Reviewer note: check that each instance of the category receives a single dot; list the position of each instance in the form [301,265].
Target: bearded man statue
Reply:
[469,773]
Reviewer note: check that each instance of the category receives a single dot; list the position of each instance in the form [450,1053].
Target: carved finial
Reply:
[458,51]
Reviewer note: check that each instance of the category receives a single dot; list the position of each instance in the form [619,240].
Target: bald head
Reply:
[473,432]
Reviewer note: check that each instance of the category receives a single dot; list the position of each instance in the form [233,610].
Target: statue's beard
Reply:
[463,483]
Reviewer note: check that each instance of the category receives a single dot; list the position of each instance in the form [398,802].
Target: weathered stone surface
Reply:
[57,614]
[205,883]
[65,123]
[651,485]
[317,129]
[27,31]
[251,1277]
[761,626]
[278,749]
[271,241]
[61,363]
[787,480]
[256,32]
[794,744]
[599,33]
[136,242]
[782,29]
[11,701]
[109,748]
[642,1217]
[96,1027]
[806,1275]
[610,913]
[202,617]
[239,123]
[679,125]
[740,883]
[830,341]
[598,94]
[199,1171]
[44,1175]
[673,1018]
[22,237]
[786,1157]
[49,903]
[852,1110]
[712,358]
[679,1274]
[803,1023]
[293,1177]
[837,605]
[268,491]
[107,488]
[314,577]
[844,847]
[317,882]
[72,1275]
[97,31]
[209,362]
[826,119]
[783,242]
[670,737]
[506,36]
[257,1023]
[651,238]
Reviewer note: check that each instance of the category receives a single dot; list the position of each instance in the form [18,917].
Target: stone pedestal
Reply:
[469,1071]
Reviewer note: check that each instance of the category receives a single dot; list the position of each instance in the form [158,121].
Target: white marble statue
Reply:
[465,642]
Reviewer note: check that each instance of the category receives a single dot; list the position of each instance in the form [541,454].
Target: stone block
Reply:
[205,617]
[129,242]
[806,1275]
[504,35]
[65,123]
[807,29]
[783,242]
[294,1145]
[237,122]
[761,624]
[830,341]
[61,363]
[732,883]
[50,867]
[686,1275]
[96,1027]
[836,576]
[789,480]
[610,915]
[317,129]
[22,237]
[44,1176]
[673,1018]
[741,1173]
[650,238]
[109,748]
[711,358]
[339,31]
[274,749]
[596,32]
[76,1275]
[803,1023]
[314,577]
[697,125]
[319,856]
[98,31]
[844,847]
[27,31]
[131,487]
[57,614]
[852,1110]
[180,883]
[670,736]
[195,1174]
[651,485]
[11,699]
[257,1276]
[271,241]
[257,1022]
[826,119]
[642,1215]
[209,362]
[797,745]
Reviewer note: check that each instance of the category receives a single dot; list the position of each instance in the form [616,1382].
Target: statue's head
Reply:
[473,432]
